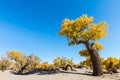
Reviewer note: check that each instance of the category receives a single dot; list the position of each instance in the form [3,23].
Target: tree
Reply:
[44,65]
[70,62]
[4,63]
[112,64]
[83,31]
[23,62]
[61,61]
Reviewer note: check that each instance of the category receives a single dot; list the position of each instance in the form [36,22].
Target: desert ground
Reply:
[81,74]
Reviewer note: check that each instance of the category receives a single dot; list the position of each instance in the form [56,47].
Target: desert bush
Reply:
[22,62]
[4,63]
[61,61]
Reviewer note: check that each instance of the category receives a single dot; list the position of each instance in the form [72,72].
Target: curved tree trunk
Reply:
[95,58]
[23,68]
[66,67]
[96,62]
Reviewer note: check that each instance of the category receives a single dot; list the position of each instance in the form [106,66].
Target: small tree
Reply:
[61,61]
[111,64]
[84,31]
[23,62]
[4,63]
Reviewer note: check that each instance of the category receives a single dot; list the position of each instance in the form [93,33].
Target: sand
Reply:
[67,75]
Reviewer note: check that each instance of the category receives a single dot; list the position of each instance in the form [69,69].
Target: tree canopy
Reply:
[83,29]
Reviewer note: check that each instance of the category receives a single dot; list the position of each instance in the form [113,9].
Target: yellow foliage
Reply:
[61,61]
[98,46]
[34,61]
[45,65]
[21,60]
[4,63]
[104,62]
[69,61]
[13,54]
[86,62]
[84,52]
[82,29]
[115,61]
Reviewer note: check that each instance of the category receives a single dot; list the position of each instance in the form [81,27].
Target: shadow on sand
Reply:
[38,72]
[50,72]
[88,73]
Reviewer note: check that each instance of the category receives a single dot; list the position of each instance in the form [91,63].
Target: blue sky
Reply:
[32,26]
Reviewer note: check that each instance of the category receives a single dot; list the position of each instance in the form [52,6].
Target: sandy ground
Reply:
[69,75]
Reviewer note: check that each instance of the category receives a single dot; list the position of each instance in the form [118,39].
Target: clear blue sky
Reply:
[32,26]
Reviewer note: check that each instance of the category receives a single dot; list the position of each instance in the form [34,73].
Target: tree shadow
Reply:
[38,72]
[89,73]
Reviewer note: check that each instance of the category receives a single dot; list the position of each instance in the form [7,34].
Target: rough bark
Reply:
[66,67]
[95,58]
[111,68]
[96,62]
[23,68]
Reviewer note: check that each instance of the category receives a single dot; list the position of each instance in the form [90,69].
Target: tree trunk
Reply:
[23,68]
[2,69]
[96,62]
[95,58]
[111,68]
